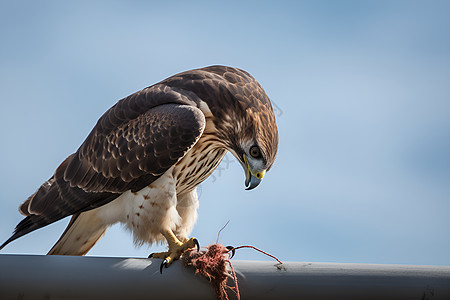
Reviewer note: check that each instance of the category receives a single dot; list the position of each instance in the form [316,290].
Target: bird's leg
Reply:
[176,248]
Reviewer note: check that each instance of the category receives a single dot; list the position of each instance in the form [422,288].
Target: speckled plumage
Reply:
[142,161]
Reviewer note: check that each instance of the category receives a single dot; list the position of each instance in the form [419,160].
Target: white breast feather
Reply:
[147,212]
[171,201]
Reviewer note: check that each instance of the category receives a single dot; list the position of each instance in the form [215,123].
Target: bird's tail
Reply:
[82,233]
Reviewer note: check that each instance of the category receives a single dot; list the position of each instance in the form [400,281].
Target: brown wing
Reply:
[113,160]
[137,152]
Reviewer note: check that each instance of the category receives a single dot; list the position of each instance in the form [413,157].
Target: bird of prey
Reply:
[141,163]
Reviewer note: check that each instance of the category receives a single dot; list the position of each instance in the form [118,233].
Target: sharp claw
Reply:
[163,264]
[231,248]
[197,244]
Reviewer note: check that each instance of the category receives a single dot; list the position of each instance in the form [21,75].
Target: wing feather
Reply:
[117,156]
[149,144]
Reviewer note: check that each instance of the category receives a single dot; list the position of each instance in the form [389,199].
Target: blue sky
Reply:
[362,87]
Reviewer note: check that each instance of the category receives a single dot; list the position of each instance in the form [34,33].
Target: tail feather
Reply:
[56,199]
[82,233]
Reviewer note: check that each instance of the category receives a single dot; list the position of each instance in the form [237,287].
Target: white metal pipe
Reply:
[69,277]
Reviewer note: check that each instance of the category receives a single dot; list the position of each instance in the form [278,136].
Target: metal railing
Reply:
[69,277]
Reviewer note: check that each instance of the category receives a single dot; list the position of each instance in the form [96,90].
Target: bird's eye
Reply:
[255,152]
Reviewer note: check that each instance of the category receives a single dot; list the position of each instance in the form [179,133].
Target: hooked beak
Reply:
[253,179]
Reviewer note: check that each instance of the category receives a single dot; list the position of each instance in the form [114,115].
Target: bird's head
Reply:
[254,163]
[245,120]
[257,144]
[243,117]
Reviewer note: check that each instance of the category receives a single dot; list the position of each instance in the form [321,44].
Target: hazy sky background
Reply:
[363,96]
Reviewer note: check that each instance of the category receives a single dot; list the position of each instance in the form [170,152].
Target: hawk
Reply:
[141,163]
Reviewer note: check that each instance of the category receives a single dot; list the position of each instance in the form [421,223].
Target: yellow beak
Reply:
[253,179]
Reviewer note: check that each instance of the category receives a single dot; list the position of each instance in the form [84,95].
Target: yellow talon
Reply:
[176,249]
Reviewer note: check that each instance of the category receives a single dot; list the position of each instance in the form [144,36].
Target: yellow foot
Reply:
[176,249]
